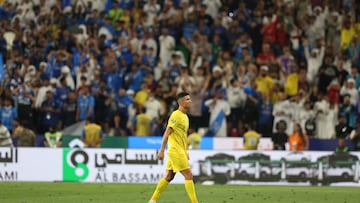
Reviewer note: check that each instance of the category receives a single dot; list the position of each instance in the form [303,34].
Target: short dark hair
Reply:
[181,95]
[90,119]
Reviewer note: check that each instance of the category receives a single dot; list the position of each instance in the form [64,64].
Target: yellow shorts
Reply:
[177,162]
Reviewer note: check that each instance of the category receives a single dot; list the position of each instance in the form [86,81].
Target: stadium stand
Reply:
[293,60]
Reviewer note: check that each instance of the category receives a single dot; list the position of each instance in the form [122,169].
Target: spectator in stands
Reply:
[152,9]
[264,124]
[298,140]
[333,26]
[115,128]
[348,89]
[170,98]
[322,108]
[327,73]
[347,33]
[65,73]
[53,138]
[122,101]
[237,98]
[354,51]
[102,108]
[251,108]
[26,99]
[185,81]
[16,80]
[343,73]
[306,118]
[334,91]
[197,94]
[7,114]
[153,107]
[354,74]
[331,117]
[167,45]
[85,105]
[134,79]
[266,57]
[5,137]
[349,111]
[283,111]
[219,109]
[342,148]
[92,134]
[61,92]
[174,66]
[314,60]
[251,137]
[355,136]
[142,124]
[303,84]
[280,138]
[43,89]
[82,84]
[50,112]
[242,43]
[194,138]
[286,62]
[23,136]
[342,129]
[68,111]
[81,38]
[264,82]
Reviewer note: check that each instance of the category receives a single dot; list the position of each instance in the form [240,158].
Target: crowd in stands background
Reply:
[244,62]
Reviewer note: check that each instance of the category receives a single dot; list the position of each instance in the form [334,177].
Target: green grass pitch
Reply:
[29,192]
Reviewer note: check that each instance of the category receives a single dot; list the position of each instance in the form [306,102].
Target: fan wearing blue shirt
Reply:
[122,102]
[134,79]
[8,114]
[50,112]
[62,92]
[115,80]
[85,105]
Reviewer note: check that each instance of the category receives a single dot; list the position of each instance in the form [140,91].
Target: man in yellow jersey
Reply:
[141,124]
[251,138]
[175,136]
[92,135]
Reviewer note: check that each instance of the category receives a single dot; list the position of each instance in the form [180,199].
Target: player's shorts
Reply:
[177,162]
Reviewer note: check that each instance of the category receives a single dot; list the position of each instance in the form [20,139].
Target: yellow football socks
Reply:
[159,189]
[190,189]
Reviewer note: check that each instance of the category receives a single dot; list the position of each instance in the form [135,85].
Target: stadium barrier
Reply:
[207,143]
[208,166]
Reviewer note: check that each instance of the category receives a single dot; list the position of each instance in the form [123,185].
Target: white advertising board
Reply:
[141,166]
[112,165]
[30,164]
[237,143]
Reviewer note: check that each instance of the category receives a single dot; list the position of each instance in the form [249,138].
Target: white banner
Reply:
[30,164]
[237,143]
[141,166]
[112,165]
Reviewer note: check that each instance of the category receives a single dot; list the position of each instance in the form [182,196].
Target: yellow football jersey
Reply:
[143,125]
[251,140]
[177,142]
[92,132]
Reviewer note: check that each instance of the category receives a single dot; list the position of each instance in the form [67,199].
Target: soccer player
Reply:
[176,137]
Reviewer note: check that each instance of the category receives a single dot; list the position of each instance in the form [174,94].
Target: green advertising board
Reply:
[109,142]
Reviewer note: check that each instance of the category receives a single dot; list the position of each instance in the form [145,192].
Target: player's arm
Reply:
[165,138]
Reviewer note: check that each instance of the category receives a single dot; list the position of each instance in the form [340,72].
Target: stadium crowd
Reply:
[122,62]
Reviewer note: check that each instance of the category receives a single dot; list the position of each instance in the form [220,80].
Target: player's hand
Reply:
[160,155]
